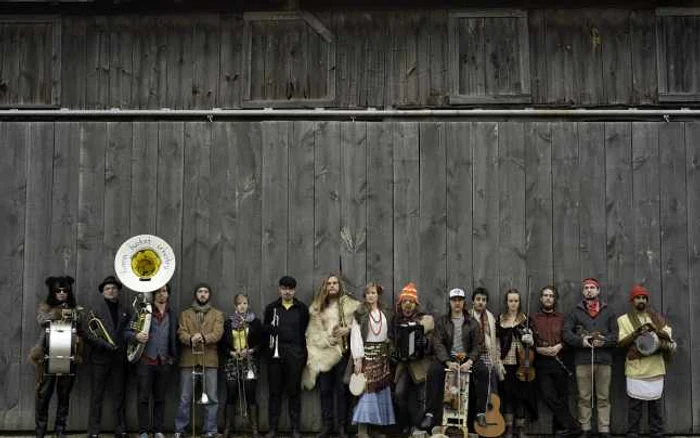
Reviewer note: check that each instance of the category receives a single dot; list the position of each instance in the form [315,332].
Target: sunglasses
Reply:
[61,291]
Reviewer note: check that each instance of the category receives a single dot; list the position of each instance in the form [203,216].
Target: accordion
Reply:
[410,341]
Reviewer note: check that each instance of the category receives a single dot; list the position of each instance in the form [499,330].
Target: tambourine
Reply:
[647,343]
[358,384]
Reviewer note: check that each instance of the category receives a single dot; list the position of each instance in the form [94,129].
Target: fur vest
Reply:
[322,355]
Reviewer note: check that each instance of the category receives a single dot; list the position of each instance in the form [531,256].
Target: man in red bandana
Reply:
[591,330]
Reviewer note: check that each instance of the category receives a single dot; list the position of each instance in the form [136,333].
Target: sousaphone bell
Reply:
[144,264]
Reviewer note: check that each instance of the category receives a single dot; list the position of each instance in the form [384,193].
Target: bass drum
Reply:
[60,348]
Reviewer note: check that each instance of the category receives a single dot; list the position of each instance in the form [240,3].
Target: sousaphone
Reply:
[144,264]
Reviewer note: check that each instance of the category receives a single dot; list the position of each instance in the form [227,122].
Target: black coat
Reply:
[101,352]
[579,322]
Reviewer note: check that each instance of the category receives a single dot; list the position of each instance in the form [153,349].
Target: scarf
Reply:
[238,319]
[593,308]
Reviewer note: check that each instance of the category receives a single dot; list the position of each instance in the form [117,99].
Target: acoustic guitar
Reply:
[495,423]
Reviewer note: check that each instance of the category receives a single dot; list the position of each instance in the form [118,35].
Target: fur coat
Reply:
[322,355]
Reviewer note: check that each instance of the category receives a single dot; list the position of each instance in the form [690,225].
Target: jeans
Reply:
[182,418]
[284,376]
[100,376]
[152,380]
[601,374]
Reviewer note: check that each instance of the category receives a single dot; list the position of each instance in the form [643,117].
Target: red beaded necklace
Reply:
[375,321]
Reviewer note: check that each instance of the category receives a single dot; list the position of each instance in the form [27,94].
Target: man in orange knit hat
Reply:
[410,324]
[649,343]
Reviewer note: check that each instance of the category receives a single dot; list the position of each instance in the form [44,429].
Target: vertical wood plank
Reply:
[460,176]
[144,172]
[121,60]
[246,139]
[14,166]
[10,62]
[592,233]
[353,204]
[149,63]
[538,60]
[179,60]
[117,191]
[275,206]
[206,49]
[643,49]
[511,208]
[406,206]
[538,207]
[300,244]
[645,195]
[169,207]
[197,208]
[439,59]
[616,56]
[232,30]
[73,74]
[485,207]
[674,271]
[377,47]
[224,223]
[566,212]
[432,277]
[692,147]
[327,222]
[380,201]
[97,63]
[620,248]
[40,150]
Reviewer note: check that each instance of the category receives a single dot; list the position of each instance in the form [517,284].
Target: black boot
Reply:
[229,418]
[253,418]
[342,433]
[61,432]
[40,432]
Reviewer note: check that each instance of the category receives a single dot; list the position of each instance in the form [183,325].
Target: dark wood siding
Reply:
[354,59]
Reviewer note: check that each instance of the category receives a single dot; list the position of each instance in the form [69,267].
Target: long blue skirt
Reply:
[375,408]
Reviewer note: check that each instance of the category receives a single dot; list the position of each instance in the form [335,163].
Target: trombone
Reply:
[198,369]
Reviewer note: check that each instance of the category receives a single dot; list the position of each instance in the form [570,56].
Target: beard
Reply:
[641,306]
[201,303]
[548,307]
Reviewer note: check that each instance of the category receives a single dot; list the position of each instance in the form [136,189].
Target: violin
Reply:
[526,356]
[526,371]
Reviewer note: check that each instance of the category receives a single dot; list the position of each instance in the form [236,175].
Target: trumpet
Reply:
[98,330]
[274,341]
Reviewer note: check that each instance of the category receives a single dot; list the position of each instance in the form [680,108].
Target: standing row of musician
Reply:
[339,340]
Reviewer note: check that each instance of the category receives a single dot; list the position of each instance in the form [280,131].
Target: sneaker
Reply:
[143,435]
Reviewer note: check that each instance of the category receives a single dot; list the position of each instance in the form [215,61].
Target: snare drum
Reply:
[60,348]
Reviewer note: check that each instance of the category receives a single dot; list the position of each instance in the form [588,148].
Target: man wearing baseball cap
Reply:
[456,346]
[649,343]
[591,330]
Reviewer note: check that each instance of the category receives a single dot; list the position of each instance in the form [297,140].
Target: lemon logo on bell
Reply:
[145,263]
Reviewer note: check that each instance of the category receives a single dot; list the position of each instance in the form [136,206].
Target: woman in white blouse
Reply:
[369,344]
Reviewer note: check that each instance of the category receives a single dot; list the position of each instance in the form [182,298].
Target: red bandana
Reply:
[593,308]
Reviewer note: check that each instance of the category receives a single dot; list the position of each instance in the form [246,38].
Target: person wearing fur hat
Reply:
[370,346]
[327,341]
[645,372]
[591,330]
[107,355]
[199,330]
[240,345]
[59,305]
[411,372]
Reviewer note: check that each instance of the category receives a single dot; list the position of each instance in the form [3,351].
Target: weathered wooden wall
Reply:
[353,58]
[443,204]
